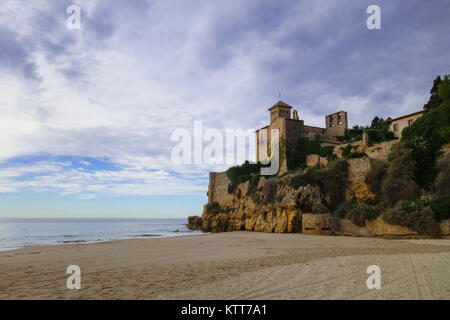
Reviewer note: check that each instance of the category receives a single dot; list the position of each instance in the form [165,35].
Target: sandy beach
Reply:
[238,265]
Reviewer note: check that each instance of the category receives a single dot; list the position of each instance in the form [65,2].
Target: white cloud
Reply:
[120,86]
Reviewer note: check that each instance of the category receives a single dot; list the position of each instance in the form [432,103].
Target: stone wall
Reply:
[318,224]
[381,150]
[313,160]
[218,189]
[356,185]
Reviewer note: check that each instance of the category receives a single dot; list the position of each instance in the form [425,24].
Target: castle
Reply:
[290,128]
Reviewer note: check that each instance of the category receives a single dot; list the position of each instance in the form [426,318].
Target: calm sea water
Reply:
[19,233]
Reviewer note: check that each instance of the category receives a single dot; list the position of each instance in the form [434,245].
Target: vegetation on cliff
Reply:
[329,179]
[361,211]
[296,153]
[417,217]
[243,173]
[413,187]
[377,132]
[442,182]
[379,135]
[352,135]
[441,208]
[428,133]
[213,208]
[348,153]
[435,100]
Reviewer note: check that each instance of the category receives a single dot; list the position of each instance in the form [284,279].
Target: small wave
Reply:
[148,235]
[72,241]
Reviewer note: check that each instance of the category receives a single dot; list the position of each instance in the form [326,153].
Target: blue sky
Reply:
[87,115]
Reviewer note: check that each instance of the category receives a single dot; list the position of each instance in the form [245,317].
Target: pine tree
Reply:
[376,123]
[435,101]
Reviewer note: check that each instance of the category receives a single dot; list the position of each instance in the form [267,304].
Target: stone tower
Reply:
[280,110]
[336,123]
[280,118]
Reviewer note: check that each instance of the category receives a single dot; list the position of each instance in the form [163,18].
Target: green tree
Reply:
[376,123]
[428,133]
[444,90]
[435,100]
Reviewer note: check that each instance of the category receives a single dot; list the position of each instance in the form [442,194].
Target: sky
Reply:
[86,116]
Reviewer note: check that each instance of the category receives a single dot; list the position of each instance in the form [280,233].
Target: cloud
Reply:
[118,88]
[107,178]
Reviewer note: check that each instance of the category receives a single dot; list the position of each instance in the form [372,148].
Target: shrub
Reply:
[326,151]
[357,155]
[270,189]
[442,183]
[423,201]
[343,208]
[375,176]
[296,153]
[361,212]
[427,134]
[240,174]
[379,135]
[333,181]
[320,208]
[213,208]
[421,221]
[352,135]
[399,183]
[441,208]
[309,176]
[346,151]
[253,186]
[434,101]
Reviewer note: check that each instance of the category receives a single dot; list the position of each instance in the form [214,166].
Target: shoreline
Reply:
[180,234]
[234,265]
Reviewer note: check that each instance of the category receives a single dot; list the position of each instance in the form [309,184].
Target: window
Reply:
[410,122]
[396,127]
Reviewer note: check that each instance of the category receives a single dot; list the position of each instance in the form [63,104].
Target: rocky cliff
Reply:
[274,206]
[277,204]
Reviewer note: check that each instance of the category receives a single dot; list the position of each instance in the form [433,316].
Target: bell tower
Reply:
[280,110]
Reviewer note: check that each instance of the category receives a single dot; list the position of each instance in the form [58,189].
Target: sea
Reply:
[20,233]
